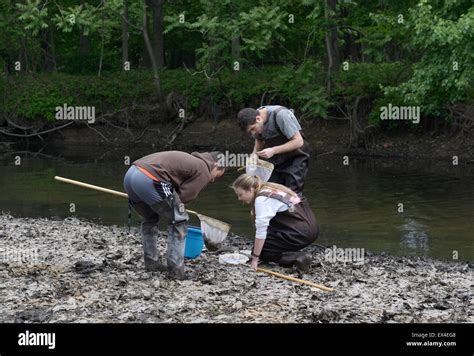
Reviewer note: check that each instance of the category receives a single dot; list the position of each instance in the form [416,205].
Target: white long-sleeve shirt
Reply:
[265,209]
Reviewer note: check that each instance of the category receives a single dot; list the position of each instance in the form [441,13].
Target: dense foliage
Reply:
[318,57]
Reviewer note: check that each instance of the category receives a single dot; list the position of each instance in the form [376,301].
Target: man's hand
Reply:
[254,264]
[267,153]
[294,143]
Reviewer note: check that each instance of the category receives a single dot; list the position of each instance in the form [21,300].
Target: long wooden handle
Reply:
[193,212]
[90,186]
[293,279]
[100,189]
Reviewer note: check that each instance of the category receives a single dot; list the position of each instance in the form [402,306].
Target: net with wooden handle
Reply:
[214,231]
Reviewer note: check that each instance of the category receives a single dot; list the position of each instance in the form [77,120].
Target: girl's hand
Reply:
[254,263]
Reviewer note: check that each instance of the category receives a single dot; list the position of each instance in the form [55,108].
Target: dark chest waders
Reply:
[290,230]
[291,167]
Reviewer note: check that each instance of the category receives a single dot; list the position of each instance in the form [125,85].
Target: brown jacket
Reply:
[188,173]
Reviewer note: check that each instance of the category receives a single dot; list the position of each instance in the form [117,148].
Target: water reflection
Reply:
[356,205]
[414,236]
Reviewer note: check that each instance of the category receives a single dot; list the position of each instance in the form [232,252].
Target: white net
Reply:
[260,168]
[214,231]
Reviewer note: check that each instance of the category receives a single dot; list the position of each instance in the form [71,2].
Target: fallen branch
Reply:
[29,153]
[98,132]
[37,133]
[325,153]
[18,126]
[176,132]
[140,135]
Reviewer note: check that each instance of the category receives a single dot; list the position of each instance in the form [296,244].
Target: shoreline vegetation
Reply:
[356,119]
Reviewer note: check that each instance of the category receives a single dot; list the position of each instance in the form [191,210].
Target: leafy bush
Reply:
[35,97]
[368,80]
[444,34]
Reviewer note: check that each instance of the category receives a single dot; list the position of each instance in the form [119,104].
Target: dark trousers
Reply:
[291,173]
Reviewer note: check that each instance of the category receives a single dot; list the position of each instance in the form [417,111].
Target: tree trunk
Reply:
[84,45]
[101,56]
[357,133]
[53,50]
[213,65]
[47,46]
[145,61]
[332,50]
[125,33]
[157,39]
[236,50]
[151,55]
[25,66]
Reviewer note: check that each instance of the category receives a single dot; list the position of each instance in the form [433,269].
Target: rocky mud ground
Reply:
[77,271]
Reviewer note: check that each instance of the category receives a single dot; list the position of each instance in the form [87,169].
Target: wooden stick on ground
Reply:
[293,279]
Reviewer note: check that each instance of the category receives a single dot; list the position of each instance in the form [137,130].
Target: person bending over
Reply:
[284,222]
[158,186]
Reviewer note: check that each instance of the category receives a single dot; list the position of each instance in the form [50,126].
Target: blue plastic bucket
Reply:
[194,242]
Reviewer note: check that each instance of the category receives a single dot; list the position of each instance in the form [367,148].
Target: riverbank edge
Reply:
[325,137]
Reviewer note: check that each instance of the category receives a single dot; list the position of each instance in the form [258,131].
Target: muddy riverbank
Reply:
[325,137]
[77,271]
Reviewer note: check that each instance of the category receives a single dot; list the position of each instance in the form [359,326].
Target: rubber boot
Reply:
[154,266]
[301,259]
[175,250]
[288,258]
[148,230]
[172,211]
[150,249]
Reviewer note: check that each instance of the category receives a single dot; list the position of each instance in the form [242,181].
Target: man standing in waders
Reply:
[158,186]
[280,140]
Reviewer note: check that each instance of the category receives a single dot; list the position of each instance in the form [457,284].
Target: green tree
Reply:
[443,33]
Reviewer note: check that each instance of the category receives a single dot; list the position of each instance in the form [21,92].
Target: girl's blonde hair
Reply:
[246,182]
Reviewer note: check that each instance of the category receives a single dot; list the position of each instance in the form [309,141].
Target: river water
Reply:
[356,205]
